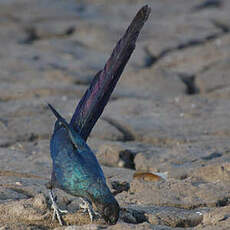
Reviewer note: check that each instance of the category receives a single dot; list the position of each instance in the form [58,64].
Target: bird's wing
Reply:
[97,95]
[72,134]
[74,168]
[82,153]
[58,116]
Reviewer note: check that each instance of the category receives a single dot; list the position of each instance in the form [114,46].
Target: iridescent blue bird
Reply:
[75,167]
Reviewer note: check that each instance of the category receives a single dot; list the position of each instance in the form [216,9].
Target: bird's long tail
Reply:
[97,95]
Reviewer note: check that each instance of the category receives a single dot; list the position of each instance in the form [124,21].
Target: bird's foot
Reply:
[88,208]
[57,211]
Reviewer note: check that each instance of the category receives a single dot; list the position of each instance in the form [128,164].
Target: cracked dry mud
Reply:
[169,112]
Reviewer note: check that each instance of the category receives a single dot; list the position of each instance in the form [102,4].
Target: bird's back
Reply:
[76,169]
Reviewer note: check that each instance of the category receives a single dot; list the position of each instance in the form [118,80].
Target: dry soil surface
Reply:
[170,112]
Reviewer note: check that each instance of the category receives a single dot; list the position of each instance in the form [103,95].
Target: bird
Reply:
[79,173]
[75,168]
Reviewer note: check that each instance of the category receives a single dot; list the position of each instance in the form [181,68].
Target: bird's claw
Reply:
[57,211]
[87,207]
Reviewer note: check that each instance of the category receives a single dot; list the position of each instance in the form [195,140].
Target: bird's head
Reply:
[110,212]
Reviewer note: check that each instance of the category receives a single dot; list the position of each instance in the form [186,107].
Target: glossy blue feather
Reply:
[75,167]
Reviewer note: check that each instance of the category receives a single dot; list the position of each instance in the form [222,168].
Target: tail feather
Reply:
[97,95]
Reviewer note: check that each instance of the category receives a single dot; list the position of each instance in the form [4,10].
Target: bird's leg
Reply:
[54,206]
[88,207]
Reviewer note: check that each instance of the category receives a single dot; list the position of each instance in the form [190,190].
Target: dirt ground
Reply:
[170,112]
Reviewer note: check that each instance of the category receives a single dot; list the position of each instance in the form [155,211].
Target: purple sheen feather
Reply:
[97,95]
